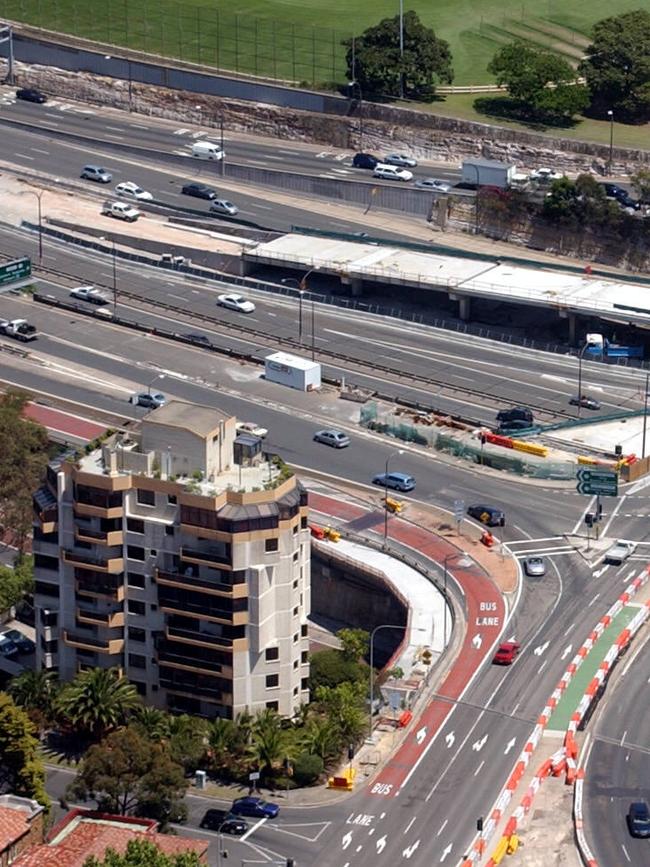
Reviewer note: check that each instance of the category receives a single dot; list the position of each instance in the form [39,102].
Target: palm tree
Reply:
[35,692]
[152,723]
[221,737]
[321,737]
[269,741]
[97,701]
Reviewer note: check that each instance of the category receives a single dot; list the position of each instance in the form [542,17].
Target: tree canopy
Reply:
[16,582]
[96,701]
[542,82]
[21,769]
[617,66]
[144,853]
[580,203]
[374,60]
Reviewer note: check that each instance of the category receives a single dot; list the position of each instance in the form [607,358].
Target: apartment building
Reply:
[181,556]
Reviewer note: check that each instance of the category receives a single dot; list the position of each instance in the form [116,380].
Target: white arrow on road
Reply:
[445,851]
[477,641]
[406,853]
[599,572]
[346,840]
[567,651]
[381,844]
[449,740]
[542,647]
[421,735]
[478,745]
[509,746]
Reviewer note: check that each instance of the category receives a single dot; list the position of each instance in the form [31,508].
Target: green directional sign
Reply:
[597,482]
[12,272]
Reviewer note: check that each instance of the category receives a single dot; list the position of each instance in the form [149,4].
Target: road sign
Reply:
[254,775]
[603,483]
[459,509]
[12,272]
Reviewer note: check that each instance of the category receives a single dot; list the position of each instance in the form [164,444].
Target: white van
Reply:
[206,150]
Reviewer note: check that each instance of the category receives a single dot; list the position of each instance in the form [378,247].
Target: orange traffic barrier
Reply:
[487,539]
[405,718]
[317,532]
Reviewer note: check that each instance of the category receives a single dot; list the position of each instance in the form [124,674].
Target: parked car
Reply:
[31,94]
[236,302]
[335,438]
[584,401]
[403,160]
[22,642]
[491,516]
[433,184]
[7,648]
[364,161]
[391,173]
[638,819]
[256,807]
[619,552]
[397,481]
[130,190]
[199,191]
[223,206]
[249,427]
[515,413]
[506,653]
[535,567]
[224,822]
[96,173]
[146,398]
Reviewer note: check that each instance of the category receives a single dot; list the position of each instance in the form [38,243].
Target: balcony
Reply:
[99,537]
[193,687]
[110,620]
[109,565]
[113,592]
[46,511]
[99,509]
[188,663]
[198,609]
[211,556]
[97,645]
[190,582]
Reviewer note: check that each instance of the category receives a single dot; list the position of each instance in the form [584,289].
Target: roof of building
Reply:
[13,824]
[197,419]
[292,361]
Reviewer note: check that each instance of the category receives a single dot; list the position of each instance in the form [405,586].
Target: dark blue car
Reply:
[256,807]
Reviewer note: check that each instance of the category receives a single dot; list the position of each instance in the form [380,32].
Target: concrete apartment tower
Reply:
[181,556]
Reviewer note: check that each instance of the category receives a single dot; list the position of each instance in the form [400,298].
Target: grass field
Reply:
[299,40]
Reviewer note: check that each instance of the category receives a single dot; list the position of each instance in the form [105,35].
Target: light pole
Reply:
[464,561]
[371,739]
[388,460]
[580,357]
[645,412]
[157,376]
[478,186]
[301,292]
[39,196]
[114,278]
[610,115]
[355,83]
[401,49]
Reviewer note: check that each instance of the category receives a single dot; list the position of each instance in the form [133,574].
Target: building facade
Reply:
[180,556]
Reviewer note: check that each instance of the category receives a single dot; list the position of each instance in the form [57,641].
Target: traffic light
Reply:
[589,519]
[479,824]
[599,513]
[350,752]
[291,862]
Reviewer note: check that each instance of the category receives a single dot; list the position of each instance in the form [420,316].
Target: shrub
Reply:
[307,769]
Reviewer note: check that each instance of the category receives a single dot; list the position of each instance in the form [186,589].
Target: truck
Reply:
[19,329]
[90,294]
[121,211]
[487,173]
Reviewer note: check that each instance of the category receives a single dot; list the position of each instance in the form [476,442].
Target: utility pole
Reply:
[7,35]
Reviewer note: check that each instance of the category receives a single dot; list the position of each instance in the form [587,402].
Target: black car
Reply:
[626,201]
[516,413]
[516,424]
[224,823]
[365,161]
[613,191]
[22,642]
[199,191]
[638,819]
[488,515]
[196,338]
[30,94]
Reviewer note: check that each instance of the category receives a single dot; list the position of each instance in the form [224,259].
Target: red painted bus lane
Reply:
[64,422]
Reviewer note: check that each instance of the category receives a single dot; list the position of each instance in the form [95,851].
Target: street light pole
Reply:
[372,669]
[401,49]
[114,278]
[610,115]
[582,352]
[388,460]
[645,412]
[464,561]
[354,83]
[157,376]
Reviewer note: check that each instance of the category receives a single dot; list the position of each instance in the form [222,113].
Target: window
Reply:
[270,545]
[136,607]
[304,684]
[50,646]
[135,579]
[273,705]
[295,611]
[295,584]
[141,688]
[303,630]
[295,663]
[145,498]
[135,525]
[295,690]
[137,661]
[42,561]
[295,556]
[303,522]
[134,552]
[272,680]
[304,657]
[272,653]
[169,530]
[136,634]
[171,499]
[295,638]
[295,530]
[43,588]
[49,618]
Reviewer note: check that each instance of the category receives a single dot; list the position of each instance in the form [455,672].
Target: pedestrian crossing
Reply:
[547,547]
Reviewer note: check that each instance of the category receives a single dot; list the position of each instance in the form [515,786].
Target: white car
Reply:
[236,302]
[392,173]
[89,293]
[129,190]
[402,160]
[619,552]
[433,184]
[545,176]
[249,427]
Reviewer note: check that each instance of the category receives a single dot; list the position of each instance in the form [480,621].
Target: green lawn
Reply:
[300,41]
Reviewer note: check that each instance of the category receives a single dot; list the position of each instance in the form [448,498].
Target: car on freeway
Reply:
[7,648]
[397,481]
[196,338]
[516,424]
[90,294]
[223,206]
[199,191]
[433,184]
[391,173]
[625,200]
[249,427]
[365,161]
[403,160]
[146,398]
[236,302]
[515,413]
[612,191]
[224,822]
[31,94]
[22,642]
[335,438]
[258,808]
[491,516]
[545,176]
[506,653]
[535,567]
[619,552]
[638,819]
[97,174]
[129,190]
[584,401]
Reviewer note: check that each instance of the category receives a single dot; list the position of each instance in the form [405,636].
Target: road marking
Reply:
[542,647]
[449,740]
[24,156]
[477,641]
[39,151]
[623,738]
[478,770]
[598,572]
[509,746]
[408,827]
[625,852]
[542,667]
[593,600]
[567,651]
[445,851]
[478,745]
[421,734]
[568,629]
[346,840]
[515,708]
[442,827]
[381,844]
[406,853]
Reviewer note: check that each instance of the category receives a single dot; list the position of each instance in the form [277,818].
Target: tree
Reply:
[23,458]
[307,768]
[330,667]
[641,184]
[97,701]
[221,739]
[35,692]
[544,83]
[16,582]
[152,723]
[188,741]
[269,741]
[375,62]
[617,66]
[343,705]
[580,203]
[144,853]
[355,643]
[321,737]
[126,773]
[21,769]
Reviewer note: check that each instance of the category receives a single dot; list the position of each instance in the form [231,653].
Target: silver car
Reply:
[403,160]
[535,567]
[433,184]
[223,206]
[335,438]
[96,173]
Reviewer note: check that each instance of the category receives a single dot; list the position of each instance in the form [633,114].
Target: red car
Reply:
[506,654]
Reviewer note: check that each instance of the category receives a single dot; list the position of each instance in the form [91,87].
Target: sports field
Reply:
[300,40]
